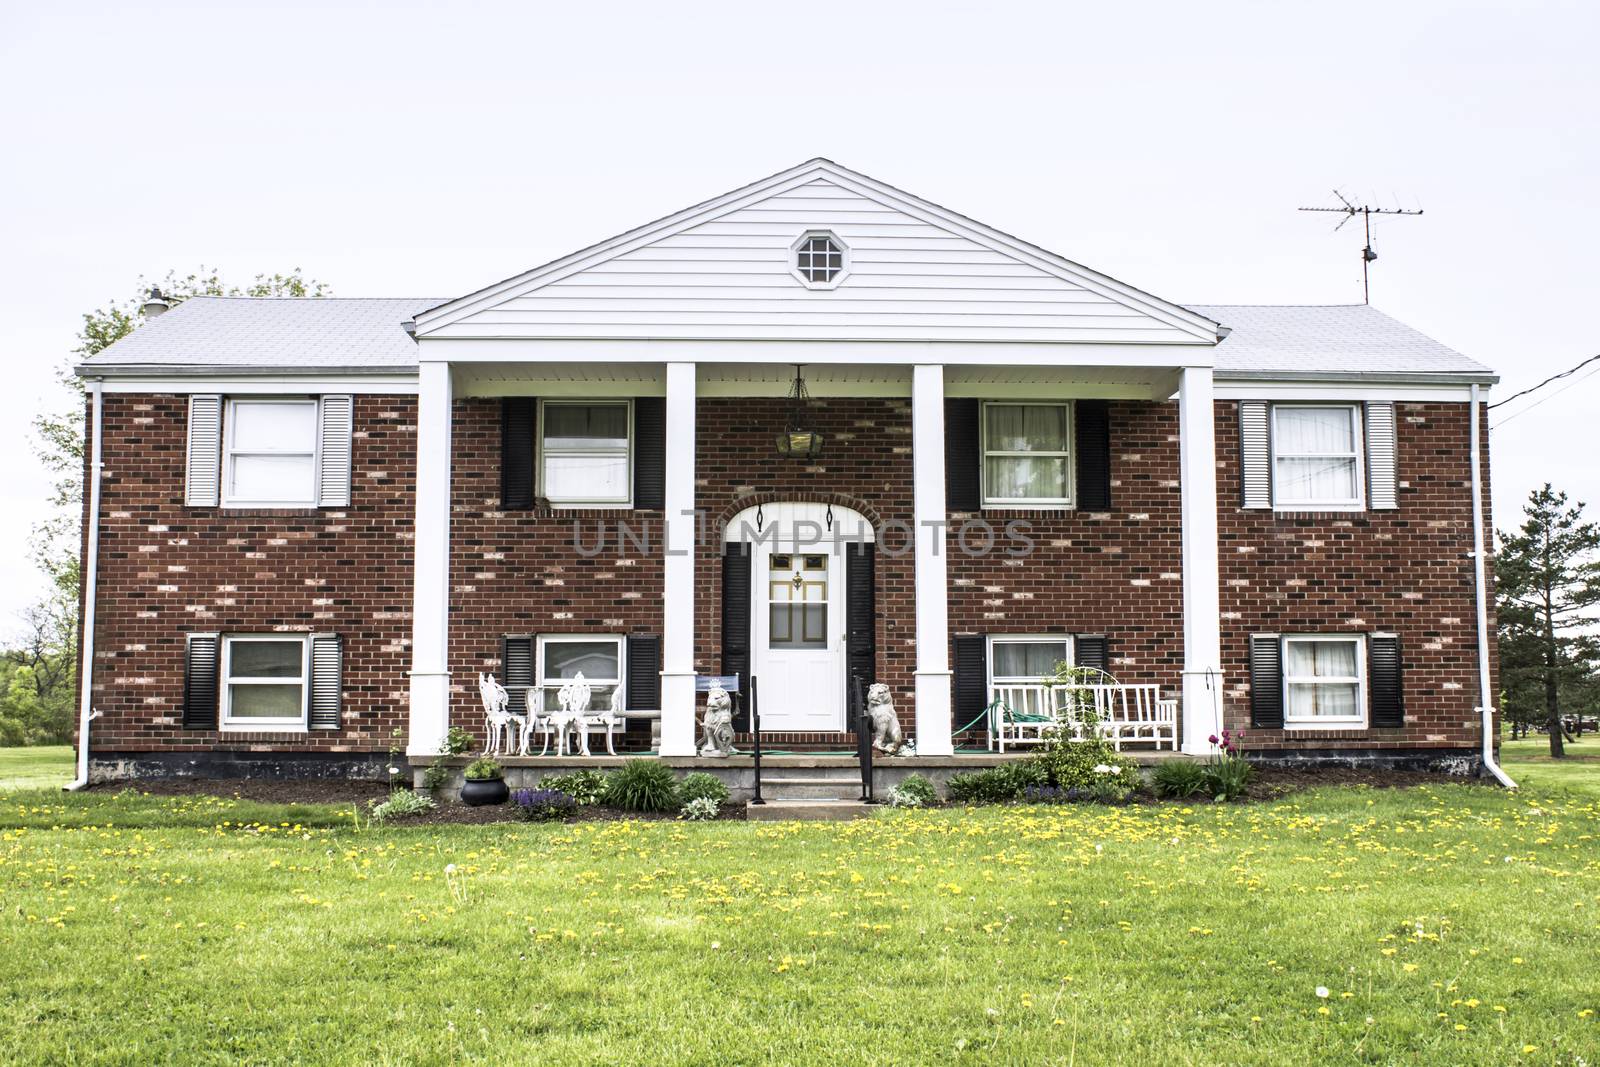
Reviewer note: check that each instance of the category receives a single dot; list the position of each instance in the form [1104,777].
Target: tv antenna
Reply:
[1350,211]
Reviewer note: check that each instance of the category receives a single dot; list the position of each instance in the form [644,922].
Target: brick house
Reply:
[312,524]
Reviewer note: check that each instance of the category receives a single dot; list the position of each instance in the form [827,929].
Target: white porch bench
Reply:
[1031,714]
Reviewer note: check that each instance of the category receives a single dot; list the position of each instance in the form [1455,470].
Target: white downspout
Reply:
[1485,699]
[91,565]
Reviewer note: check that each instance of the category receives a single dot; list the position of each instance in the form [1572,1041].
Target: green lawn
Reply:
[39,767]
[1446,924]
[1528,762]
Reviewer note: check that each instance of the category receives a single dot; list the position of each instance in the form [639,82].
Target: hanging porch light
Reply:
[799,439]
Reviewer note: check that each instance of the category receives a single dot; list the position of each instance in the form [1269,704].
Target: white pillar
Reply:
[677,639]
[430,595]
[932,588]
[1202,622]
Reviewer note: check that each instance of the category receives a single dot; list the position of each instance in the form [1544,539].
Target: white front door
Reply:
[799,638]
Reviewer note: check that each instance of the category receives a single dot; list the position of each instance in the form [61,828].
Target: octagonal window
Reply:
[819,259]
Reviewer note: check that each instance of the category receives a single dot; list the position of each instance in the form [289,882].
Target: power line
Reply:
[1553,378]
[1551,396]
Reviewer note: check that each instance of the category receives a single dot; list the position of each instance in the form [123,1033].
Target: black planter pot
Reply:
[476,792]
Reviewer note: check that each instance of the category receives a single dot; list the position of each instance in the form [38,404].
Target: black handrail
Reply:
[755,733]
[863,739]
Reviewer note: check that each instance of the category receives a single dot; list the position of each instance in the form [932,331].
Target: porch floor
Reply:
[787,760]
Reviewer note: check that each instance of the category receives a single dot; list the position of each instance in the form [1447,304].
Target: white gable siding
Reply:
[729,277]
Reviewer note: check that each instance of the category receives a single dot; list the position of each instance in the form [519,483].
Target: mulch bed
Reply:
[1270,783]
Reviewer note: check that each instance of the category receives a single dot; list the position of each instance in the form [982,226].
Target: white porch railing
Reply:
[1030,714]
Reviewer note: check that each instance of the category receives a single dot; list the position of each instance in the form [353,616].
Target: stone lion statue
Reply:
[716,737]
[886,733]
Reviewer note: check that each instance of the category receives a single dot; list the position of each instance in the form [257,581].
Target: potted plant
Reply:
[484,784]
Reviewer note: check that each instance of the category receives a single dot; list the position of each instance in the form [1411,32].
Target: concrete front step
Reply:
[811,787]
[807,810]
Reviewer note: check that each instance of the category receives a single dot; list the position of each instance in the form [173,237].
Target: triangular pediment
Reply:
[724,270]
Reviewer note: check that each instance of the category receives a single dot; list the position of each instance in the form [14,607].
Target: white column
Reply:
[932,588]
[1202,622]
[677,639]
[430,595]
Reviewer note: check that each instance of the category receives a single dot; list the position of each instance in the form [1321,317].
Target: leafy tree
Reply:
[1548,576]
[37,676]
[38,673]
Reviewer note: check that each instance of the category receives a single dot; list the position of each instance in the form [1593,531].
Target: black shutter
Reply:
[650,452]
[971,680]
[1384,670]
[1092,434]
[1092,650]
[1266,682]
[736,624]
[516,668]
[202,661]
[518,416]
[327,682]
[643,692]
[963,456]
[860,616]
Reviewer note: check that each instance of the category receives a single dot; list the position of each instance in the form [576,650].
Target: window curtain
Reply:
[1026,428]
[1321,659]
[1018,659]
[1316,454]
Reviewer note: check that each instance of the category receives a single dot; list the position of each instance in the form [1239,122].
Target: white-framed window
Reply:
[1027,659]
[1027,459]
[270,452]
[819,259]
[585,458]
[264,682]
[562,657]
[1316,457]
[1324,681]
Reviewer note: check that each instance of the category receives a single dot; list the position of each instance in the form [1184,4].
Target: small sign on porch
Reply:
[704,683]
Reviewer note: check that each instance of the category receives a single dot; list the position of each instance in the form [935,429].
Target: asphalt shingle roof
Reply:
[1338,339]
[236,333]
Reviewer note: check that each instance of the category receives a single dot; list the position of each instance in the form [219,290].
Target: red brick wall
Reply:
[167,570]
[1407,571]
[1116,573]
[521,572]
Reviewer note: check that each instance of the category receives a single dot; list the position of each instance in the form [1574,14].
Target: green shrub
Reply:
[700,809]
[642,785]
[482,770]
[1108,789]
[1085,764]
[401,802]
[701,785]
[1226,777]
[914,791]
[457,741]
[996,784]
[1179,779]
[585,786]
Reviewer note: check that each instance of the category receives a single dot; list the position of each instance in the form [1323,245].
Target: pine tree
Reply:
[1548,576]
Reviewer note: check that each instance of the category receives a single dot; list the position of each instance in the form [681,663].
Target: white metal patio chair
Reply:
[501,719]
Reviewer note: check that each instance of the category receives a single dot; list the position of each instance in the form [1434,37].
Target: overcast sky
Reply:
[412,149]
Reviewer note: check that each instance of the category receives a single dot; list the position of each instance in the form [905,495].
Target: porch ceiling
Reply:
[822,380]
